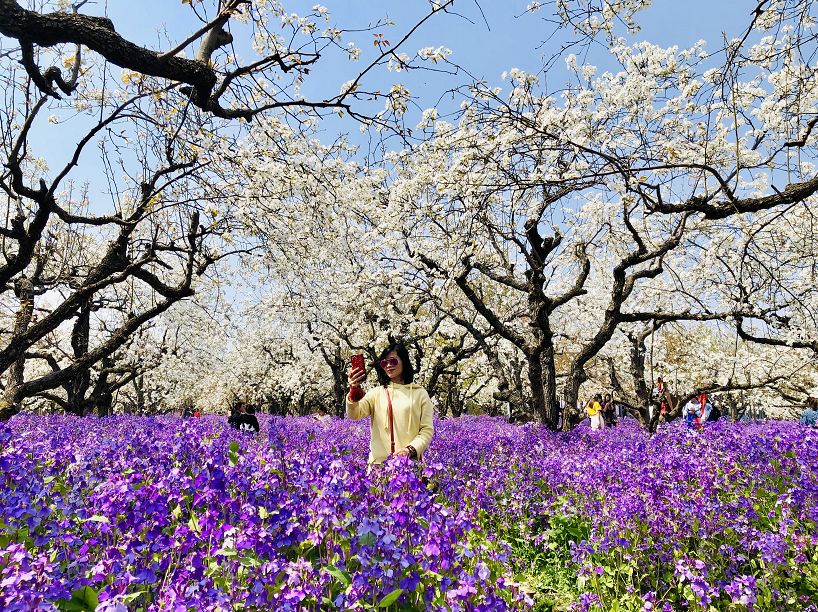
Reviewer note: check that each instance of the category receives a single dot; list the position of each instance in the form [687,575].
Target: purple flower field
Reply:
[167,514]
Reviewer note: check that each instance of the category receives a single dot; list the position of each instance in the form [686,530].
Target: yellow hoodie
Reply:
[412,411]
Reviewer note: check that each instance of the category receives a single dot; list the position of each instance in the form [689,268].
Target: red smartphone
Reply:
[358,362]
[356,393]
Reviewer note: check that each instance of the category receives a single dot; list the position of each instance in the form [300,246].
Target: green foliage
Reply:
[82,600]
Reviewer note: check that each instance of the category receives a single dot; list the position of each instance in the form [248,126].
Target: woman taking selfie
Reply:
[400,412]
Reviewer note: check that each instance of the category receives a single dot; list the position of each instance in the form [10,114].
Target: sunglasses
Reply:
[389,363]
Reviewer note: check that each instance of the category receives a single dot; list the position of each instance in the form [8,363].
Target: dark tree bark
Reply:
[114,267]
[77,386]
[204,87]
[24,291]
[623,283]
[538,345]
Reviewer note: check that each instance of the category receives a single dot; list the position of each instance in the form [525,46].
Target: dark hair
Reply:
[403,354]
[251,409]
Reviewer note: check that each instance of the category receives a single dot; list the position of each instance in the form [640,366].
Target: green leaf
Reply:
[366,539]
[129,597]
[340,575]
[390,599]
[84,599]
[233,453]
[249,562]
[66,605]
[193,523]
[98,518]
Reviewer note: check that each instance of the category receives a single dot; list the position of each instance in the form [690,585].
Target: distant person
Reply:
[692,413]
[321,416]
[594,410]
[706,407]
[660,395]
[608,411]
[399,411]
[236,409]
[714,414]
[196,413]
[248,421]
[187,412]
[810,415]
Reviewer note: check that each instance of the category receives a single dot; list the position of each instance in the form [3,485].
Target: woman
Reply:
[810,414]
[594,410]
[608,411]
[399,412]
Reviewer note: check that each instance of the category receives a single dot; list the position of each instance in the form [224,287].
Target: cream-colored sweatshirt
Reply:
[412,410]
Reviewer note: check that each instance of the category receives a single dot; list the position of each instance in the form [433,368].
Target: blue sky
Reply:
[486,39]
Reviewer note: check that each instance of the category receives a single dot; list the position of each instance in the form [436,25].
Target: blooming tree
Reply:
[95,268]
[631,182]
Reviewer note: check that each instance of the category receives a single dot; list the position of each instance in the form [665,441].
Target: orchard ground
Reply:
[160,513]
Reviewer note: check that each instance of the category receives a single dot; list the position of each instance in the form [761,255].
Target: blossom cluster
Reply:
[166,513]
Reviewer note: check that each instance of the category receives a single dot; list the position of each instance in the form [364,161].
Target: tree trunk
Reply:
[455,399]
[642,410]
[139,388]
[339,383]
[102,397]
[542,378]
[24,290]
[535,384]
[77,386]
[573,413]
[542,370]
[548,378]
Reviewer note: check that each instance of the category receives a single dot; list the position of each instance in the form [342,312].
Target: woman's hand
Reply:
[356,377]
[408,451]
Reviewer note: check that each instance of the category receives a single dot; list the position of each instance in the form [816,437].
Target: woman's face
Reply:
[393,367]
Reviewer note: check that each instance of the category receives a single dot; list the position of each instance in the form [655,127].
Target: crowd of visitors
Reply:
[395,377]
[190,411]
[603,411]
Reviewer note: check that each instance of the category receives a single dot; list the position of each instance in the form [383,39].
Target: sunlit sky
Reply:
[486,39]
